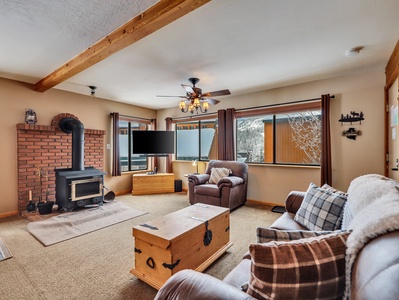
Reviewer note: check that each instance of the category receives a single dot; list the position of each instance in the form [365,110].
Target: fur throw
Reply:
[375,212]
[364,190]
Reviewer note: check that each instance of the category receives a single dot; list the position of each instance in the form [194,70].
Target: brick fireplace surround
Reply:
[43,148]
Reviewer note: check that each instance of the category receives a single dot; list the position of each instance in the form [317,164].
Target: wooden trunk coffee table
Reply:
[191,238]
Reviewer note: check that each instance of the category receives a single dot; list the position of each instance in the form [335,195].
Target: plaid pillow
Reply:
[313,268]
[331,189]
[321,209]
[266,235]
[218,173]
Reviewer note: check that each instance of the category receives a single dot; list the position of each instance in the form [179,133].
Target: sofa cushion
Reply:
[211,190]
[321,209]
[286,222]
[239,276]
[218,173]
[312,268]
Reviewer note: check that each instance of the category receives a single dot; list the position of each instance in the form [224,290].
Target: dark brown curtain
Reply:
[226,134]
[229,134]
[116,162]
[325,161]
[169,157]
[154,159]
[221,134]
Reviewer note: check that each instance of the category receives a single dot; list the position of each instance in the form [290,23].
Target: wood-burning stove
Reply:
[77,186]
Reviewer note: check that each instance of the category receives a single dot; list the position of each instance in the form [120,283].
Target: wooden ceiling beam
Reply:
[159,15]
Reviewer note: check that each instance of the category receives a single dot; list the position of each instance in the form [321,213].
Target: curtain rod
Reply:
[138,118]
[255,107]
[280,104]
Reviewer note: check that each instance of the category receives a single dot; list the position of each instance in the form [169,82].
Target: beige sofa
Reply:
[370,217]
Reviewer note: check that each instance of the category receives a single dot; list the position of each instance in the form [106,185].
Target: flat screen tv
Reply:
[153,142]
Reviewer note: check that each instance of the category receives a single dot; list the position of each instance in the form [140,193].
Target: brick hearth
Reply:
[43,148]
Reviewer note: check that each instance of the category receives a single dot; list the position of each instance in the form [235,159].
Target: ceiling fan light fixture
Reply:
[182,105]
[205,106]
[196,102]
[191,108]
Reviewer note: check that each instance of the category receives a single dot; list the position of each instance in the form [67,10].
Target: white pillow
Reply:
[218,173]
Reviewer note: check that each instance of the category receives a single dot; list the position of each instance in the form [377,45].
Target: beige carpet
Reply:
[72,224]
[97,265]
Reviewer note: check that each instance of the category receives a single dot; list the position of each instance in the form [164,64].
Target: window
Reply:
[196,140]
[292,137]
[130,161]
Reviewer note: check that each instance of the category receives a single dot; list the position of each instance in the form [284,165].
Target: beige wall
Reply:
[94,113]
[363,91]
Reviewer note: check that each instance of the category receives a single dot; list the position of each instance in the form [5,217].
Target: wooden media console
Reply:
[144,184]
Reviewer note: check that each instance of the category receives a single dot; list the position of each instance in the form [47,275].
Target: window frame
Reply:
[199,120]
[148,124]
[272,111]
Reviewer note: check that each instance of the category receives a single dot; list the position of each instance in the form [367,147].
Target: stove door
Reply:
[86,188]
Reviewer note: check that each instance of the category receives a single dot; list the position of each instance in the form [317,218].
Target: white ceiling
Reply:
[239,45]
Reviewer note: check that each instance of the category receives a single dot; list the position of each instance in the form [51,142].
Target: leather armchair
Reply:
[228,192]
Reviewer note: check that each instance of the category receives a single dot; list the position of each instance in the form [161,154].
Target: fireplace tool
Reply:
[109,196]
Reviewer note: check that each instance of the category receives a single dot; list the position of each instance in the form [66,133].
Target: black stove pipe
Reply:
[74,126]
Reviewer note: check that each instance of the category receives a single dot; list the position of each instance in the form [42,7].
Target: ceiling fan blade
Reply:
[172,96]
[188,88]
[216,93]
[210,100]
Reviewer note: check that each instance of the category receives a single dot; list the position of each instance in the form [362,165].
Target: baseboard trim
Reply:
[258,202]
[249,201]
[123,192]
[8,214]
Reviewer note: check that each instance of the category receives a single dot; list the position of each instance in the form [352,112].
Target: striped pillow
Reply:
[321,209]
[313,268]
[218,173]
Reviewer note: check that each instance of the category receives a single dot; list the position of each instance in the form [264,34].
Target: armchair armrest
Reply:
[189,284]
[198,178]
[293,201]
[230,181]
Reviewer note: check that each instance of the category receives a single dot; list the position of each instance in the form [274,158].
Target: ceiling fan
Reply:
[194,97]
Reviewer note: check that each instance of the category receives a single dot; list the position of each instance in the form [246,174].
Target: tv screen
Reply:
[153,142]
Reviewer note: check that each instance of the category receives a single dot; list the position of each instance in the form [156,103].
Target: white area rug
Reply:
[72,224]
[4,252]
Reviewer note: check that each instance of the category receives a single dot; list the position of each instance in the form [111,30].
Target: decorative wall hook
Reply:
[351,133]
[352,117]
